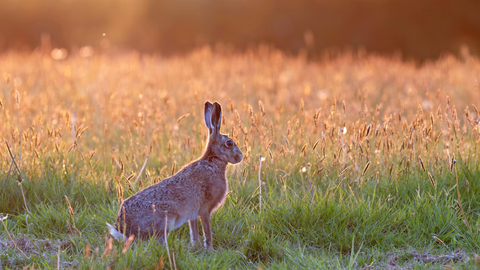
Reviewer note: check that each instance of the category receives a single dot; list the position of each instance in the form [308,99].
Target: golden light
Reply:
[59,54]
[86,51]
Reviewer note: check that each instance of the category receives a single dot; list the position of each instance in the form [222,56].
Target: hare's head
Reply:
[219,146]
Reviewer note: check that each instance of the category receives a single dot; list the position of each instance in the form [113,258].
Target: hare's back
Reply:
[171,194]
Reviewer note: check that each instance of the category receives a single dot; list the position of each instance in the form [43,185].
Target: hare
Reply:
[197,190]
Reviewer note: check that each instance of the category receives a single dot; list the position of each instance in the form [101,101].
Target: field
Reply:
[370,162]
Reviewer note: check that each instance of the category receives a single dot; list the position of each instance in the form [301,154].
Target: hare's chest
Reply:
[215,195]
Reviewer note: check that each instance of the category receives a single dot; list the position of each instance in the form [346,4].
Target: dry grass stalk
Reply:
[182,117]
[260,183]
[2,218]
[452,164]
[304,150]
[421,163]
[458,195]
[432,181]
[72,147]
[70,210]
[341,181]
[69,228]
[128,243]
[140,173]
[160,263]
[17,97]
[119,175]
[119,190]
[315,145]
[165,235]
[439,240]
[111,264]
[95,253]
[130,177]
[344,171]
[173,168]
[72,215]
[88,251]
[20,177]
[366,168]
[108,247]
[58,257]
[174,263]
[9,170]
[125,220]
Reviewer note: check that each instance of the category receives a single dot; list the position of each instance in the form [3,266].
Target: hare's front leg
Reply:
[207,231]
[194,237]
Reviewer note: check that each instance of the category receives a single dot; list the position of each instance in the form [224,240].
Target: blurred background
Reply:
[418,29]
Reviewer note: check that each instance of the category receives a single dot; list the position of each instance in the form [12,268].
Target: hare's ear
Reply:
[208,116]
[216,118]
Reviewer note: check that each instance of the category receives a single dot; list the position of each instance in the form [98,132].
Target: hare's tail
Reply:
[116,234]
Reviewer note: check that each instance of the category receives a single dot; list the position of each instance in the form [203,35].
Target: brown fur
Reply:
[195,191]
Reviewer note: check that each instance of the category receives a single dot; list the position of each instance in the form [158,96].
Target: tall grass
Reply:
[362,157]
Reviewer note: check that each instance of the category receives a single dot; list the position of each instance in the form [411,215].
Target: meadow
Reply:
[367,161]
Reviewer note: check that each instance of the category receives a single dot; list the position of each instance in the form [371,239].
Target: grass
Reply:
[358,170]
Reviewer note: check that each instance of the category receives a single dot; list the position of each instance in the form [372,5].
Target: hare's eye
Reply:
[229,143]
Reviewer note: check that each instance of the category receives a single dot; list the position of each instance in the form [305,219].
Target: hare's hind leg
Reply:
[194,236]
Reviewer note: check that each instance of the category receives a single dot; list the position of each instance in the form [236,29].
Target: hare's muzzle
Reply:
[238,156]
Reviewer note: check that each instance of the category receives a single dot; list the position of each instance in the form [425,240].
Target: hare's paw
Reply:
[195,247]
